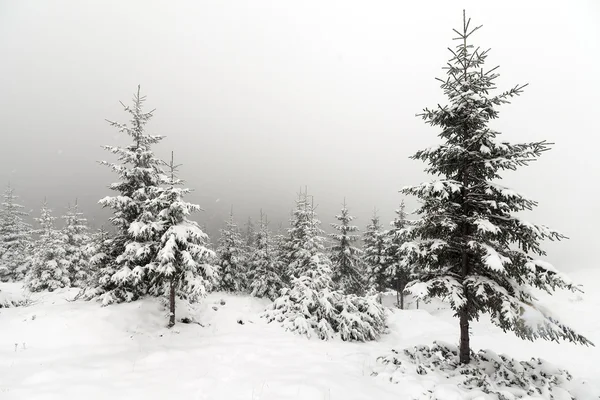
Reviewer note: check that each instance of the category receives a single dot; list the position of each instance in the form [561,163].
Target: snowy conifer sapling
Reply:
[15,238]
[49,266]
[76,238]
[374,254]
[97,252]
[346,259]
[470,247]
[180,269]
[250,234]
[399,270]
[230,257]
[265,268]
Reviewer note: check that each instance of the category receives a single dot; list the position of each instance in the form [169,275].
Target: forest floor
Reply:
[58,349]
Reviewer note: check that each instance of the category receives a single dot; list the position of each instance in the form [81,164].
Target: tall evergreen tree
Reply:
[76,238]
[348,275]
[181,269]
[127,269]
[399,270]
[470,247]
[15,238]
[230,257]
[374,254]
[49,266]
[265,268]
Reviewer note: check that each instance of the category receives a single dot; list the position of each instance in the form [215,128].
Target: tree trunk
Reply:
[172,303]
[465,348]
[397,293]
[402,299]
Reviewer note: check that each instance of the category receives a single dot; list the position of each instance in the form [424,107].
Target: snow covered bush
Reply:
[11,295]
[488,376]
[49,268]
[310,305]
[308,309]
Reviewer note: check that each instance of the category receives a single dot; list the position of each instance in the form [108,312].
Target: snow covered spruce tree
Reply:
[470,248]
[310,305]
[49,268]
[279,250]
[181,269]
[127,269]
[249,239]
[15,238]
[230,258]
[97,251]
[347,271]
[399,270]
[265,268]
[76,238]
[250,233]
[375,256]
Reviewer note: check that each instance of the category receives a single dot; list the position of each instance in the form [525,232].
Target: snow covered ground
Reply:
[56,349]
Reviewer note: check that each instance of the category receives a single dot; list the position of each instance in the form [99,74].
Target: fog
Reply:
[258,99]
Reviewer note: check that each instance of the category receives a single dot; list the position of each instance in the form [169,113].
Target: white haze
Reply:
[261,98]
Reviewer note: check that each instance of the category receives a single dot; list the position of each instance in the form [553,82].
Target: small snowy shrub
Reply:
[488,376]
[304,310]
[8,299]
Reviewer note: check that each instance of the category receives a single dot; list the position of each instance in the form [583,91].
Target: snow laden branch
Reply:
[488,376]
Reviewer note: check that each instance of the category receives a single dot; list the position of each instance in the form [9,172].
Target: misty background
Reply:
[258,99]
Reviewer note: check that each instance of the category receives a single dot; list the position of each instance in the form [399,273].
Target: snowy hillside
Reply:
[57,349]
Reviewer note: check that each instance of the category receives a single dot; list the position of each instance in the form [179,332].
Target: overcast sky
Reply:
[259,98]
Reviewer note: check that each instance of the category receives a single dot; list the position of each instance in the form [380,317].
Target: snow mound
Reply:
[11,295]
[488,376]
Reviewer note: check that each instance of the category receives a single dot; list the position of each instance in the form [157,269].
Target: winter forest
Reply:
[453,297]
